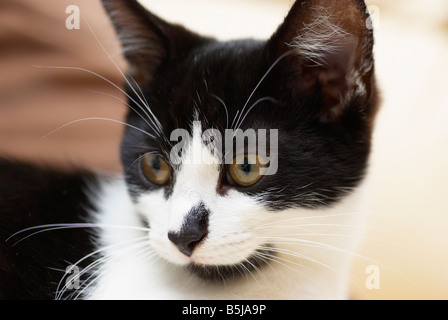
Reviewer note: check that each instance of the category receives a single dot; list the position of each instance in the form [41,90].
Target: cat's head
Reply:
[305,99]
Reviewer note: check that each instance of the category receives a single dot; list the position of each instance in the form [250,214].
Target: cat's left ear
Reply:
[148,41]
[326,48]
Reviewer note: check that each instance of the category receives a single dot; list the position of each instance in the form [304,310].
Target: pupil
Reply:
[246,167]
[156,164]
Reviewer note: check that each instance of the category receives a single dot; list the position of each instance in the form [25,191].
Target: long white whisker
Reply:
[139,158]
[307,218]
[307,225]
[308,258]
[315,244]
[262,79]
[101,77]
[274,258]
[253,106]
[296,254]
[60,226]
[92,278]
[225,108]
[159,125]
[258,271]
[61,292]
[102,119]
[126,79]
[126,104]
[247,270]
[234,118]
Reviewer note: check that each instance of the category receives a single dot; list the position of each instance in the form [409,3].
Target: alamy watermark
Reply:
[73,21]
[373,22]
[373,278]
[72,281]
[230,148]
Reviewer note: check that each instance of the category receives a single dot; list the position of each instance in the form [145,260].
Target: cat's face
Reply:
[213,205]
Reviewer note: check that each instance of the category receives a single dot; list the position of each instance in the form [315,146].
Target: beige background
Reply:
[407,232]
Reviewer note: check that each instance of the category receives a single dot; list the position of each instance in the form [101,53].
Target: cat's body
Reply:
[173,228]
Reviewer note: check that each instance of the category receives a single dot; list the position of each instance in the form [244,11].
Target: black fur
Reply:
[31,268]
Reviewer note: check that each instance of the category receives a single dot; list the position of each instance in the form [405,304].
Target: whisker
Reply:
[225,108]
[93,277]
[126,104]
[95,74]
[126,79]
[236,115]
[339,225]
[274,258]
[99,118]
[246,270]
[61,292]
[342,235]
[61,226]
[296,254]
[306,218]
[259,83]
[258,271]
[139,158]
[315,244]
[253,106]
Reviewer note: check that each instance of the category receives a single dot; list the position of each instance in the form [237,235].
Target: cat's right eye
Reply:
[156,169]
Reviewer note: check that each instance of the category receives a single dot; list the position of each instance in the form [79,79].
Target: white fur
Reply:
[324,36]
[319,37]
[314,246]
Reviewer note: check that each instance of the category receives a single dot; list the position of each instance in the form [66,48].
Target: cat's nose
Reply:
[194,229]
[186,243]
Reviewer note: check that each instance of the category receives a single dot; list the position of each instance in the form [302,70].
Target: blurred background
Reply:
[407,231]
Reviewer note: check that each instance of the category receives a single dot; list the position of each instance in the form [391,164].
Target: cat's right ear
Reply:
[147,41]
[329,51]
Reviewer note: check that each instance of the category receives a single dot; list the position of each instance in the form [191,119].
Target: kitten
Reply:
[203,211]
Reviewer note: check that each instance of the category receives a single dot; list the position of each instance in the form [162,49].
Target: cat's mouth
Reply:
[221,273]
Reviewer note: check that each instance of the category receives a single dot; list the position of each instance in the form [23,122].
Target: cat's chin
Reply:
[222,273]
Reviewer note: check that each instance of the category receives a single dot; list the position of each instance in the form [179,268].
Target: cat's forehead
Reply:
[223,68]
[225,56]
[217,85]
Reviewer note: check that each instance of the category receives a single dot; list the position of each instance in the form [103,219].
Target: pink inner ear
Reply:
[335,77]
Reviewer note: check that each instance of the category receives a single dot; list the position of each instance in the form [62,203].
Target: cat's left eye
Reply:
[156,169]
[247,169]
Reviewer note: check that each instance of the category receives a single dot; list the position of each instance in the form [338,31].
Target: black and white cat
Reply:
[173,228]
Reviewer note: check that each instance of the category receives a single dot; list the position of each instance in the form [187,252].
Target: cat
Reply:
[279,224]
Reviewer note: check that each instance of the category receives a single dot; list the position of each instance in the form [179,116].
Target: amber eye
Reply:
[247,169]
[156,169]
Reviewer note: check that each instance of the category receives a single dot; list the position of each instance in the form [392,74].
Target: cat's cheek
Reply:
[153,208]
[149,205]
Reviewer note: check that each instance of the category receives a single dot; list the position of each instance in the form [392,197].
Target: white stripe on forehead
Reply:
[196,179]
